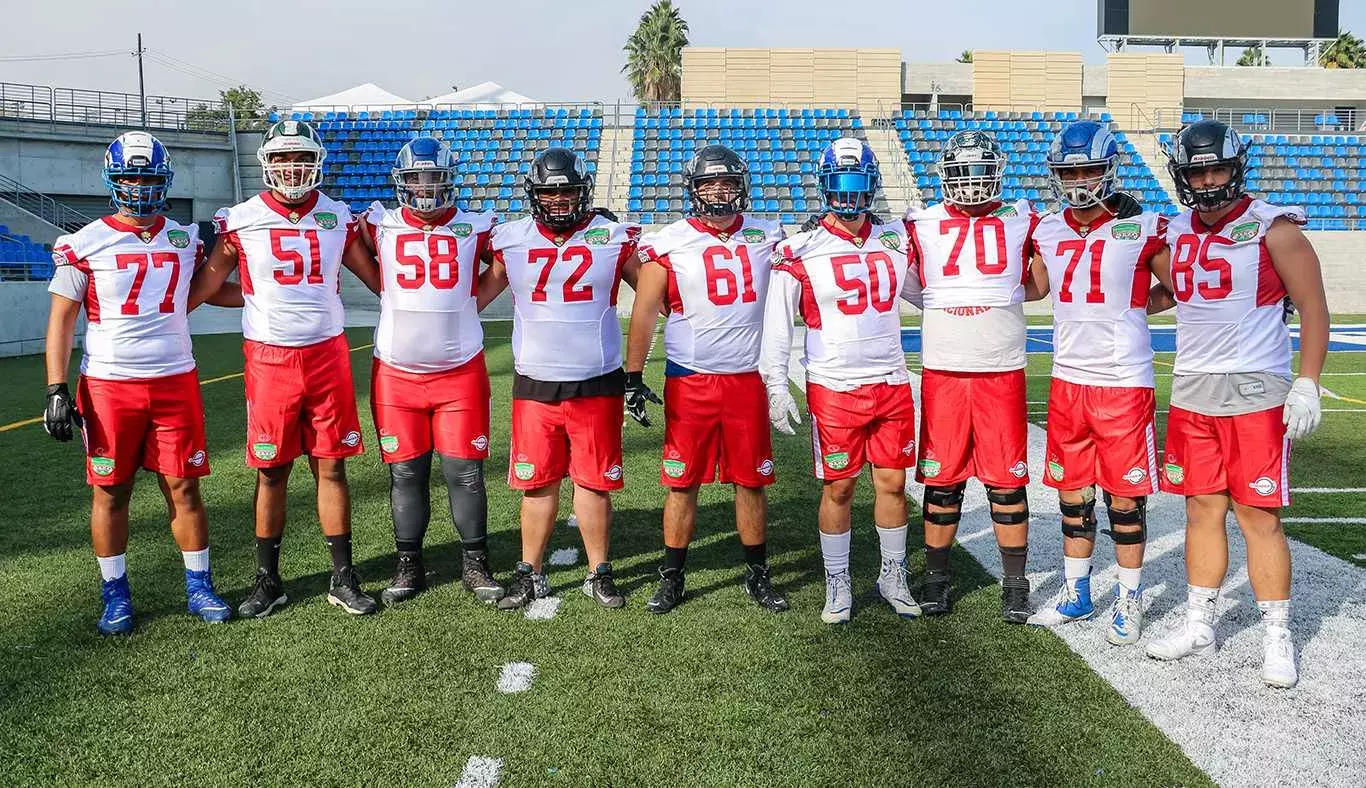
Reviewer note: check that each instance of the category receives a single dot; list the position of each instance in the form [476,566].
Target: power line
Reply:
[61,56]
[199,72]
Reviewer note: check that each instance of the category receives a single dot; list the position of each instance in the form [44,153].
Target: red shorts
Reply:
[973,424]
[716,429]
[1247,455]
[579,438]
[1101,435]
[152,423]
[873,423]
[416,412]
[300,400]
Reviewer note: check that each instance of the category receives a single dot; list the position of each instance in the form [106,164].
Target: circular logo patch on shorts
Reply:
[1264,486]
[351,438]
[197,459]
[1019,470]
[481,443]
[765,468]
[614,473]
[1135,475]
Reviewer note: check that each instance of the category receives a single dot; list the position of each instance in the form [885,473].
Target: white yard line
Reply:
[565,556]
[1328,490]
[1327,520]
[516,677]
[542,609]
[481,772]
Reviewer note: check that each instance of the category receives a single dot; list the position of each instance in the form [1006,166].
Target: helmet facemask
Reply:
[849,191]
[292,172]
[1080,191]
[719,195]
[560,207]
[969,183]
[1209,198]
[138,191]
[425,189]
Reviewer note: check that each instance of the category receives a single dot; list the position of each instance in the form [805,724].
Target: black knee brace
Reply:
[1137,516]
[947,497]
[409,499]
[468,498]
[1085,511]
[1008,497]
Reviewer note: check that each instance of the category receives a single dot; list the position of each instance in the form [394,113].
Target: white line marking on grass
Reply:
[565,556]
[481,771]
[573,521]
[542,609]
[1327,520]
[1328,490]
[516,677]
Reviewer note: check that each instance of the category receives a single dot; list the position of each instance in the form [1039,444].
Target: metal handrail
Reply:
[44,207]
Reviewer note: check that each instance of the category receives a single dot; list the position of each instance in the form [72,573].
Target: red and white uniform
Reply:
[972,271]
[429,388]
[565,330]
[715,407]
[300,396]
[846,290]
[1229,321]
[139,392]
[1101,426]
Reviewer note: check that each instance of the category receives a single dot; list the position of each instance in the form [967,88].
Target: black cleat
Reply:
[346,593]
[477,579]
[268,594]
[527,585]
[759,586]
[670,593]
[1015,608]
[410,579]
[934,594]
[600,585]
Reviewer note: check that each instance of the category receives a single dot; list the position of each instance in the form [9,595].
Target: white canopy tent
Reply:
[359,97]
[485,95]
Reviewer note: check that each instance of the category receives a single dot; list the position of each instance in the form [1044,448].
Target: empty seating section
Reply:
[1025,136]
[780,145]
[494,147]
[22,259]
[1324,173]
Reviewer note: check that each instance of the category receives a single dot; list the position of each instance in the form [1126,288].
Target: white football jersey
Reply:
[718,283]
[135,285]
[1099,276]
[428,313]
[564,295]
[972,271]
[1229,298]
[845,289]
[289,259]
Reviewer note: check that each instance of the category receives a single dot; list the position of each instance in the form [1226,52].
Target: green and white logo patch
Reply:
[1126,231]
[674,468]
[462,230]
[838,460]
[1055,470]
[325,219]
[178,238]
[1175,473]
[930,468]
[524,470]
[597,236]
[102,466]
[1005,210]
[753,235]
[388,443]
[1245,231]
[265,451]
[890,240]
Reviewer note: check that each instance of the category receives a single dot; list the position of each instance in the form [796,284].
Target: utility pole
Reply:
[142,87]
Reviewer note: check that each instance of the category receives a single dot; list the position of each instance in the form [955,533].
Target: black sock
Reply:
[474,545]
[268,554]
[937,558]
[675,557]
[340,547]
[409,546]
[1013,561]
[756,554]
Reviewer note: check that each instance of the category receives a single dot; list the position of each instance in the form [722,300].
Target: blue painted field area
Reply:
[1347,339]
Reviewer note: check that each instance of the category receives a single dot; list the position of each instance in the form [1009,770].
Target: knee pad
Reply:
[947,497]
[1008,497]
[1085,511]
[468,474]
[411,473]
[1136,516]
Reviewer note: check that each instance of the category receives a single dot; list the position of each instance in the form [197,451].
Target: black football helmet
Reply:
[1201,145]
[553,170]
[712,162]
[972,169]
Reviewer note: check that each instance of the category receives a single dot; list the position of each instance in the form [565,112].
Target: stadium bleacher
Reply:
[1025,136]
[23,259]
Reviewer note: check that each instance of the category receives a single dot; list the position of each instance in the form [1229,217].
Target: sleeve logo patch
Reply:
[597,236]
[326,220]
[1127,231]
[462,230]
[178,238]
[1245,231]
[753,235]
[1005,210]
[890,240]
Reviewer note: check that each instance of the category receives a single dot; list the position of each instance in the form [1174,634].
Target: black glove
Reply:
[606,214]
[637,394]
[1123,206]
[60,414]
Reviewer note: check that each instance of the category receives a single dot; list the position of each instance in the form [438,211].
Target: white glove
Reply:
[782,410]
[1301,414]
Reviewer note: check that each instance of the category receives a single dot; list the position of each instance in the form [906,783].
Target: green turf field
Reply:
[716,693]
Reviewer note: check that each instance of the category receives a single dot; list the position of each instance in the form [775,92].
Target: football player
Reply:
[711,272]
[1235,406]
[844,279]
[429,390]
[972,251]
[564,264]
[289,243]
[1096,258]
[137,403]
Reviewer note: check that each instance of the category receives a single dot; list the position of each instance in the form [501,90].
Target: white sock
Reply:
[112,567]
[835,551]
[1200,602]
[1130,579]
[892,542]
[1275,612]
[196,560]
[1074,569]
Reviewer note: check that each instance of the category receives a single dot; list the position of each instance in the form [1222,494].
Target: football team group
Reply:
[732,288]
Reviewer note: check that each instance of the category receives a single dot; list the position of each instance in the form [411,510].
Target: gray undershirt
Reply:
[1229,394]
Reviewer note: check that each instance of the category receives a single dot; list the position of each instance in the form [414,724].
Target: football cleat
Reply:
[410,579]
[1278,658]
[600,585]
[759,586]
[527,584]
[839,598]
[268,594]
[117,618]
[345,592]
[1071,603]
[670,592]
[1015,608]
[476,577]
[1191,637]
[1126,617]
[934,593]
[893,586]
[202,600]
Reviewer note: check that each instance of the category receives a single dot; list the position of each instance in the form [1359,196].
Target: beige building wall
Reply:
[1145,89]
[1026,81]
[865,78]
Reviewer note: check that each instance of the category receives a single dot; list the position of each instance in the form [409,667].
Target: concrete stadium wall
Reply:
[23,318]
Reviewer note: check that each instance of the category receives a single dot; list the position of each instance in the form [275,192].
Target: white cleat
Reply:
[839,598]
[1192,637]
[1126,617]
[1278,658]
[894,586]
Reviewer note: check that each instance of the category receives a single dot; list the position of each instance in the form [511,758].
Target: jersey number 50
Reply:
[878,268]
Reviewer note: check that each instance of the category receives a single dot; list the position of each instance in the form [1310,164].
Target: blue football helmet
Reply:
[424,175]
[849,177]
[1083,144]
[137,154]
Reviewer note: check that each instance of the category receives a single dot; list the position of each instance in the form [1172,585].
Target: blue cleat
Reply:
[117,618]
[202,600]
[1072,603]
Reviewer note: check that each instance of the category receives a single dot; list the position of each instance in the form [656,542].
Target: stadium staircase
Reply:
[613,180]
[29,222]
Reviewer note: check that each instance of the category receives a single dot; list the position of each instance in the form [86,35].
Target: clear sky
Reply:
[299,49]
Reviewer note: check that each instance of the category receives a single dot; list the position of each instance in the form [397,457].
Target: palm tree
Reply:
[1346,52]
[1254,56]
[966,56]
[654,54]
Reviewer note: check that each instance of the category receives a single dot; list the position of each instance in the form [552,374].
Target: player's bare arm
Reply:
[1036,286]
[492,281]
[359,259]
[229,294]
[1160,297]
[211,276]
[651,282]
[1297,264]
[630,271]
[61,329]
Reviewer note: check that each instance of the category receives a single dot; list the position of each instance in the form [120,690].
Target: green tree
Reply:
[1346,52]
[966,57]
[247,107]
[654,54]
[1254,56]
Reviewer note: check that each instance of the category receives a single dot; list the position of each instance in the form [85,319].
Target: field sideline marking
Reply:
[1328,490]
[1326,520]
[516,677]
[481,771]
